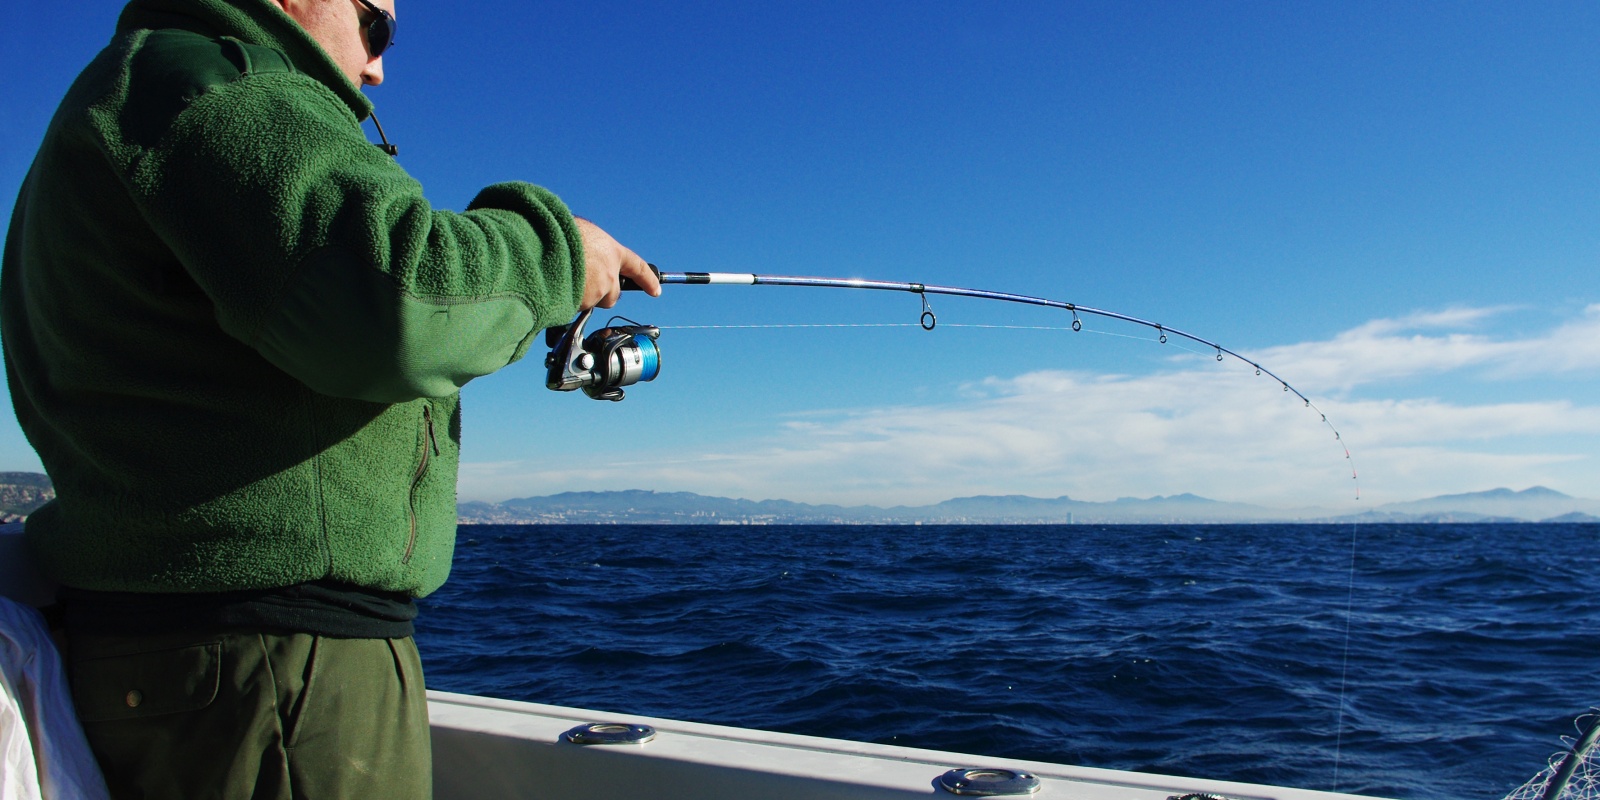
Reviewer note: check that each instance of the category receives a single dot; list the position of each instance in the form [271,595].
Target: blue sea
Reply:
[1216,651]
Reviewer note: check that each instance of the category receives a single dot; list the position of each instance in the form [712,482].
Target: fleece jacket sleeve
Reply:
[321,253]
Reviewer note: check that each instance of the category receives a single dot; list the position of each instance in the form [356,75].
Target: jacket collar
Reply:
[258,22]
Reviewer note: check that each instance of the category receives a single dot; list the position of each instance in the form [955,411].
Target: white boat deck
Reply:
[485,747]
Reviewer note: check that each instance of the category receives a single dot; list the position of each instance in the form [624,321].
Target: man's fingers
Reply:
[608,265]
[637,270]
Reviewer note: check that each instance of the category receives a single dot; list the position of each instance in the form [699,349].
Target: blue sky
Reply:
[1393,206]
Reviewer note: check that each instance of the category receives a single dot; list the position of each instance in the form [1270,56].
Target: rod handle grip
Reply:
[629,286]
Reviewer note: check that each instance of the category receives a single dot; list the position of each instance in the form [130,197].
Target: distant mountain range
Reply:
[22,492]
[1537,504]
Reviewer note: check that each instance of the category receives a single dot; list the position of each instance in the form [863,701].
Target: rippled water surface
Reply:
[1209,651]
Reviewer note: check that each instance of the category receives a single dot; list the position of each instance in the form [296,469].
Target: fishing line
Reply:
[565,360]
[619,356]
[1344,658]
[911,325]
[793,325]
[753,326]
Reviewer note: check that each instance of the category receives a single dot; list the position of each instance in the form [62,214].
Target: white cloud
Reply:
[1448,319]
[1384,350]
[1209,428]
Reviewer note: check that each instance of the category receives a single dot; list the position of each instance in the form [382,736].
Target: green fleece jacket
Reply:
[235,331]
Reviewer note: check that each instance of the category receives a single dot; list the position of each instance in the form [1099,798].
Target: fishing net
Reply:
[1572,775]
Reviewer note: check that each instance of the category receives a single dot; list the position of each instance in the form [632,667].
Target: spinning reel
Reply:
[604,361]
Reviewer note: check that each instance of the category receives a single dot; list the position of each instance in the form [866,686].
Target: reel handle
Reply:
[629,286]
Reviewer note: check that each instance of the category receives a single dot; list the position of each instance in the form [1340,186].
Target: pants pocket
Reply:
[146,684]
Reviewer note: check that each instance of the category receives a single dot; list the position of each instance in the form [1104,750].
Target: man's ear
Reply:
[295,9]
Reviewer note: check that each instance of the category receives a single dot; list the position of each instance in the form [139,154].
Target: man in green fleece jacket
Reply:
[235,332]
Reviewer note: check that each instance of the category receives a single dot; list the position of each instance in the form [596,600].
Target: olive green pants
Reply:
[253,715]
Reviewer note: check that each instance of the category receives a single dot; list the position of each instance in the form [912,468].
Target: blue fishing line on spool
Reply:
[650,358]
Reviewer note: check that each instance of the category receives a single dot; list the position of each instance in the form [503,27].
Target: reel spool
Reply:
[604,361]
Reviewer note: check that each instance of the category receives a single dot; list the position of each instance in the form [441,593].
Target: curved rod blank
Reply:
[751,279]
[746,279]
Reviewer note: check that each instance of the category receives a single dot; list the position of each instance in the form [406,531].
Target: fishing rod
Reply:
[613,357]
[1578,757]
[616,356]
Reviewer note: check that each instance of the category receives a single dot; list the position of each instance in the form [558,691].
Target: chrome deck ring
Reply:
[610,733]
[988,782]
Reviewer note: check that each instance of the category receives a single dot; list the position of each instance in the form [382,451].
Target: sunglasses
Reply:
[380,31]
